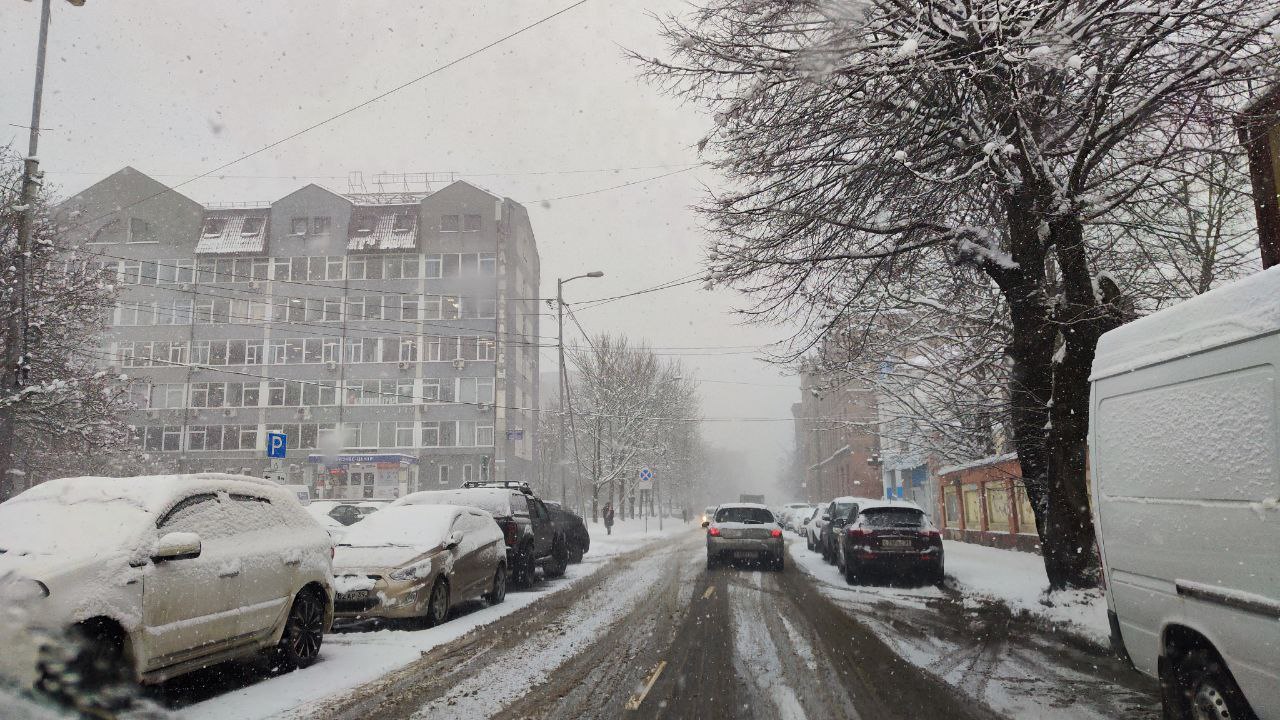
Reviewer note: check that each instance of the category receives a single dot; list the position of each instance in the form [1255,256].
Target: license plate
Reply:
[895,544]
[353,595]
[744,554]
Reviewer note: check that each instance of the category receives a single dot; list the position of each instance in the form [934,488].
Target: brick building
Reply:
[836,444]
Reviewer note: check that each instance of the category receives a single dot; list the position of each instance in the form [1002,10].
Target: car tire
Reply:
[779,563]
[1200,685]
[851,574]
[575,553]
[936,576]
[437,603]
[303,634]
[523,568]
[89,671]
[498,591]
[712,561]
[559,561]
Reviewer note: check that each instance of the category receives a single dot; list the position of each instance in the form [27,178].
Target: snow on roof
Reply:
[980,462]
[866,504]
[226,231]
[851,498]
[150,493]
[374,228]
[1229,314]
[496,501]
[755,506]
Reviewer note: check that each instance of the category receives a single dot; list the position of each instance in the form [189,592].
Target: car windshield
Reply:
[48,527]
[750,516]
[892,517]
[407,525]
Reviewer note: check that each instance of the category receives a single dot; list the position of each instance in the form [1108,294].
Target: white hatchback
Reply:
[161,575]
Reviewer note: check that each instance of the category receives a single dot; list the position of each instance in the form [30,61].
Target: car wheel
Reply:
[559,561]
[522,572]
[90,671]
[299,644]
[575,553]
[438,603]
[498,592]
[936,576]
[712,561]
[851,575]
[1200,687]
[779,563]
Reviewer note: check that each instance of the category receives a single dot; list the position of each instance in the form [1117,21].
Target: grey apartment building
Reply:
[392,337]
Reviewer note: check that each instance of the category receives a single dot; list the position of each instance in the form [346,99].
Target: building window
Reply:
[403,223]
[213,227]
[471,223]
[450,223]
[298,226]
[488,264]
[484,435]
[364,224]
[466,473]
[320,225]
[430,434]
[140,231]
[252,226]
[444,474]
[108,234]
[433,266]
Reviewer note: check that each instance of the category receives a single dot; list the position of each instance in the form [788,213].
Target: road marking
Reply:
[710,591]
[637,699]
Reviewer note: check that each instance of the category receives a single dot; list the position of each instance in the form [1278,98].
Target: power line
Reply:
[683,280]
[615,187]
[348,111]
[459,173]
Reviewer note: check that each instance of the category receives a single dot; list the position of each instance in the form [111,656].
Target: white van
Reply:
[1183,443]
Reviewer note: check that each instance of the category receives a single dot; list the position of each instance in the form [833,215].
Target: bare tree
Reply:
[631,409]
[67,412]
[869,146]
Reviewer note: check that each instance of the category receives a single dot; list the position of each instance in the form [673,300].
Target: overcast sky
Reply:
[176,88]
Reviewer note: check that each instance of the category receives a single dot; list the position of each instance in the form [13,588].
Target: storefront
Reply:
[985,502]
[378,476]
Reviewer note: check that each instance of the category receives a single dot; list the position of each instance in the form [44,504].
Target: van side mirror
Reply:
[454,540]
[826,517]
[176,546]
[706,523]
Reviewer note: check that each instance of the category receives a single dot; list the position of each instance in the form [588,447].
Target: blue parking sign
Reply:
[276,445]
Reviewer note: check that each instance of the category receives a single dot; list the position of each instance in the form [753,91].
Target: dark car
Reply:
[531,536]
[574,529]
[834,516]
[894,539]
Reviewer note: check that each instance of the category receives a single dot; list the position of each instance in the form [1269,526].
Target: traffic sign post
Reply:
[645,486]
[276,444]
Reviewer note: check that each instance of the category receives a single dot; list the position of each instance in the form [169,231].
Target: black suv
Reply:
[574,529]
[532,536]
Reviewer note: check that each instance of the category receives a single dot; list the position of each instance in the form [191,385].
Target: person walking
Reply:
[608,518]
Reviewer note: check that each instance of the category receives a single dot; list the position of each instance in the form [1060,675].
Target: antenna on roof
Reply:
[355,182]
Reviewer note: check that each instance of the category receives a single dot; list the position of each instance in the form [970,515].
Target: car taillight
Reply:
[775,533]
[934,537]
[713,531]
[510,532]
[858,533]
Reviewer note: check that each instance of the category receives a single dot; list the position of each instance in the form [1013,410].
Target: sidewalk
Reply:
[1018,580]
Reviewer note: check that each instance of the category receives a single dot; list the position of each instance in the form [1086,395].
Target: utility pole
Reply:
[564,377]
[15,351]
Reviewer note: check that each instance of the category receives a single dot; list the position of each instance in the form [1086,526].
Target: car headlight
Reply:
[416,571]
[18,589]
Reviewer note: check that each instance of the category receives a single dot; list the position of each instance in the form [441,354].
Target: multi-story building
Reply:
[836,442]
[391,337]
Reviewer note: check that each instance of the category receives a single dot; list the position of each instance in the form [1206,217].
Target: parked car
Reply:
[890,537]
[346,512]
[808,528]
[574,528]
[788,517]
[833,518]
[301,492]
[1186,497]
[158,576]
[418,561]
[744,531]
[532,538]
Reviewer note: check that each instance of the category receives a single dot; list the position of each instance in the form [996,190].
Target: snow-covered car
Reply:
[417,561]
[787,518]
[708,512]
[833,518]
[813,528]
[345,512]
[805,525]
[157,576]
[891,537]
[744,531]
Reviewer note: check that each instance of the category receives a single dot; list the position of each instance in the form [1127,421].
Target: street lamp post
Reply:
[564,380]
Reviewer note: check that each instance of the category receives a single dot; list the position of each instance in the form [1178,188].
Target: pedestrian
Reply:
[684,514]
[608,518]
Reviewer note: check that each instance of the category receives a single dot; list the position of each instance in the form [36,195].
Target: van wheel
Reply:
[498,592]
[303,634]
[438,603]
[1200,687]
[522,572]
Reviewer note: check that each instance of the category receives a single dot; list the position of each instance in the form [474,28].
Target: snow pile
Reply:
[352,583]
[1228,314]
[1018,580]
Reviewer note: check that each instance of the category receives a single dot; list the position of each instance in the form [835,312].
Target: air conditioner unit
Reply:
[484,407]
[153,413]
[254,284]
[459,363]
[184,286]
[229,413]
[404,365]
[332,364]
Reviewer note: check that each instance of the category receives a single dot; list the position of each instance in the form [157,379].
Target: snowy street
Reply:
[642,628]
